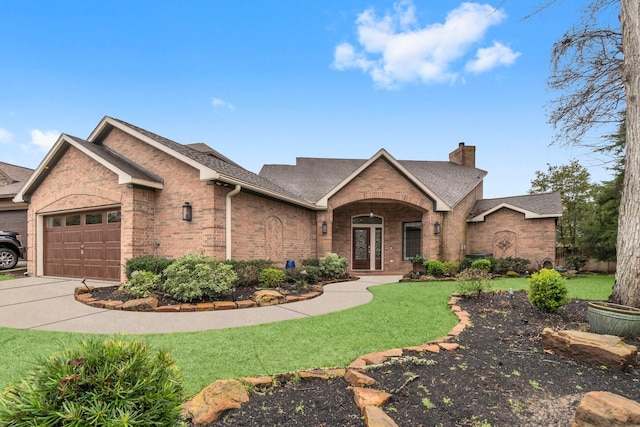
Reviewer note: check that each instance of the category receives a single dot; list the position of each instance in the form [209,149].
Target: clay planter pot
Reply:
[613,319]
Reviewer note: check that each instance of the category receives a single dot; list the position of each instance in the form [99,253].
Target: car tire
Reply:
[8,258]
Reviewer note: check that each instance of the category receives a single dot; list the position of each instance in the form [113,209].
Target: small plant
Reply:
[482,264]
[547,290]
[511,273]
[426,402]
[196,276]
[434,268]
[473,281]
[248,271]
[97,383]
[417,259]
[142,283]
[333,266]
[535,384]
[271,277]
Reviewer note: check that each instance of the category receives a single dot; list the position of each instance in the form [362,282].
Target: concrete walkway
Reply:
[47,303]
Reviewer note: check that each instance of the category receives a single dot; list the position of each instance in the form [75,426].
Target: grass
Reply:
[400,315]
[6,277]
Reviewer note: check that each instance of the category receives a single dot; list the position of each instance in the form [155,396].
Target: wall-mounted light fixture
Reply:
[436,228]
[324,227]
[187,211]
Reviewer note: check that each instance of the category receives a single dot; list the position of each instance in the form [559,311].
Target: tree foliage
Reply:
[572,181]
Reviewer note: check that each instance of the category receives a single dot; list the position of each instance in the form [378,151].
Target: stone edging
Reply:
[82,294]
[201,411]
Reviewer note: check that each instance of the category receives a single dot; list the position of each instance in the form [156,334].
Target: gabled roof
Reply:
[211,165]
[546,205]
[12,178]
[447,183]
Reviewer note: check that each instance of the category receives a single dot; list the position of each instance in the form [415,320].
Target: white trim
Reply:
[527,213]
[440,204]
[39,244]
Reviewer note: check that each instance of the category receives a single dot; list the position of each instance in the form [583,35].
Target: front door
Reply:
[367,245]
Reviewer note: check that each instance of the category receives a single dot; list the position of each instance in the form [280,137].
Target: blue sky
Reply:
[265,82]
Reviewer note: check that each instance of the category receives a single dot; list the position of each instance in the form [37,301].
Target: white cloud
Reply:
[221,103]
[395,49]
[490,57]
[44,140]
[5,136]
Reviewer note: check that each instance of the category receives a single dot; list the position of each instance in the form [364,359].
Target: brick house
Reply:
[126,192]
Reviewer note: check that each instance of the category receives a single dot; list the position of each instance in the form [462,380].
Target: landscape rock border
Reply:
[83,295]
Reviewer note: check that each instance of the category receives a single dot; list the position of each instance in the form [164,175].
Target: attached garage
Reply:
[83,244]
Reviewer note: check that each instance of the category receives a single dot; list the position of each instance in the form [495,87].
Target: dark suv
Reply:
[10,249]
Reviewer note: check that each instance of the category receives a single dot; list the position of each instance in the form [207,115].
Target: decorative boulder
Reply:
[604,409]
[213,401]
[268,297]
[141,304]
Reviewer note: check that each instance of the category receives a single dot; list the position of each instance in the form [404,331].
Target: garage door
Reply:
[83,244]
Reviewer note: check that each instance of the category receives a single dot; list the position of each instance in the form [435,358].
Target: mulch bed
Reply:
[500,376]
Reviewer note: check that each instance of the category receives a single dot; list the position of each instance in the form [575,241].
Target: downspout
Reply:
[228,219]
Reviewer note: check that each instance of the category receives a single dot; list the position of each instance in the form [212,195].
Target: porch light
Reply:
[186,211]
[324,227]
[436,228]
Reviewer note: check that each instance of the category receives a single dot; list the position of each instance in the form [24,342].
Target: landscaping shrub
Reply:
[512,273]
[142,283]
[473,281]
[451,268]
[196,276]
[248,272]
[333,266]
[575,262]
[146,263]
[271,277]
[97,383]
[434,268]
[482,264]
[301,276]
[311,262]
[503,265]
[547,290]
[465,263]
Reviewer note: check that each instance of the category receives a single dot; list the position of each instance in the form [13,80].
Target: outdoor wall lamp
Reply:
[324,227]
[187,211]
[436,228]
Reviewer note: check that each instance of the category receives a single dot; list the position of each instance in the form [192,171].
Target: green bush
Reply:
[195,277]
[547,290]
[465,263]
[146,263]
[451,268]
[482,264]
[333,266]
[97,383]
[142,283]
[512,273]
[576,262]
[473,281]
[503,265]
[302,275]
[434,268]
[248,272]
[271,277]
[310,262]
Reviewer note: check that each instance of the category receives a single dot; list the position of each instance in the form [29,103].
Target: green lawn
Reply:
[400,315]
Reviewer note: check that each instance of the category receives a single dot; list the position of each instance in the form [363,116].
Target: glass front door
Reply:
[367,243]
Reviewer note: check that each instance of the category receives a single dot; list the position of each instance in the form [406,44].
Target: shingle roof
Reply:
[545,205]
[13,178]
[226,168]
[315,177]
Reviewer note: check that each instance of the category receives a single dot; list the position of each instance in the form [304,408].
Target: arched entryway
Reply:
[367,233]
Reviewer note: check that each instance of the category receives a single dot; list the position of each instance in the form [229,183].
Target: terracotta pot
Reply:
[613,319]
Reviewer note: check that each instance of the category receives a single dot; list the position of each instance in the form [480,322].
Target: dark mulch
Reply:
[241,293]
[499,377]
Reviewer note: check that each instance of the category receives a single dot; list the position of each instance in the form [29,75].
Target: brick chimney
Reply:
[464,155]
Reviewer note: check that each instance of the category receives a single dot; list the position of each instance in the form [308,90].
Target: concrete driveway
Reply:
[47,303]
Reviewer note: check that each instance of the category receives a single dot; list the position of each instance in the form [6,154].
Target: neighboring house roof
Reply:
[546,205]
[12,178]
[446,182]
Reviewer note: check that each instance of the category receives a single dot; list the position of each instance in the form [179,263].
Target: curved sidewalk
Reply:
[47,303]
